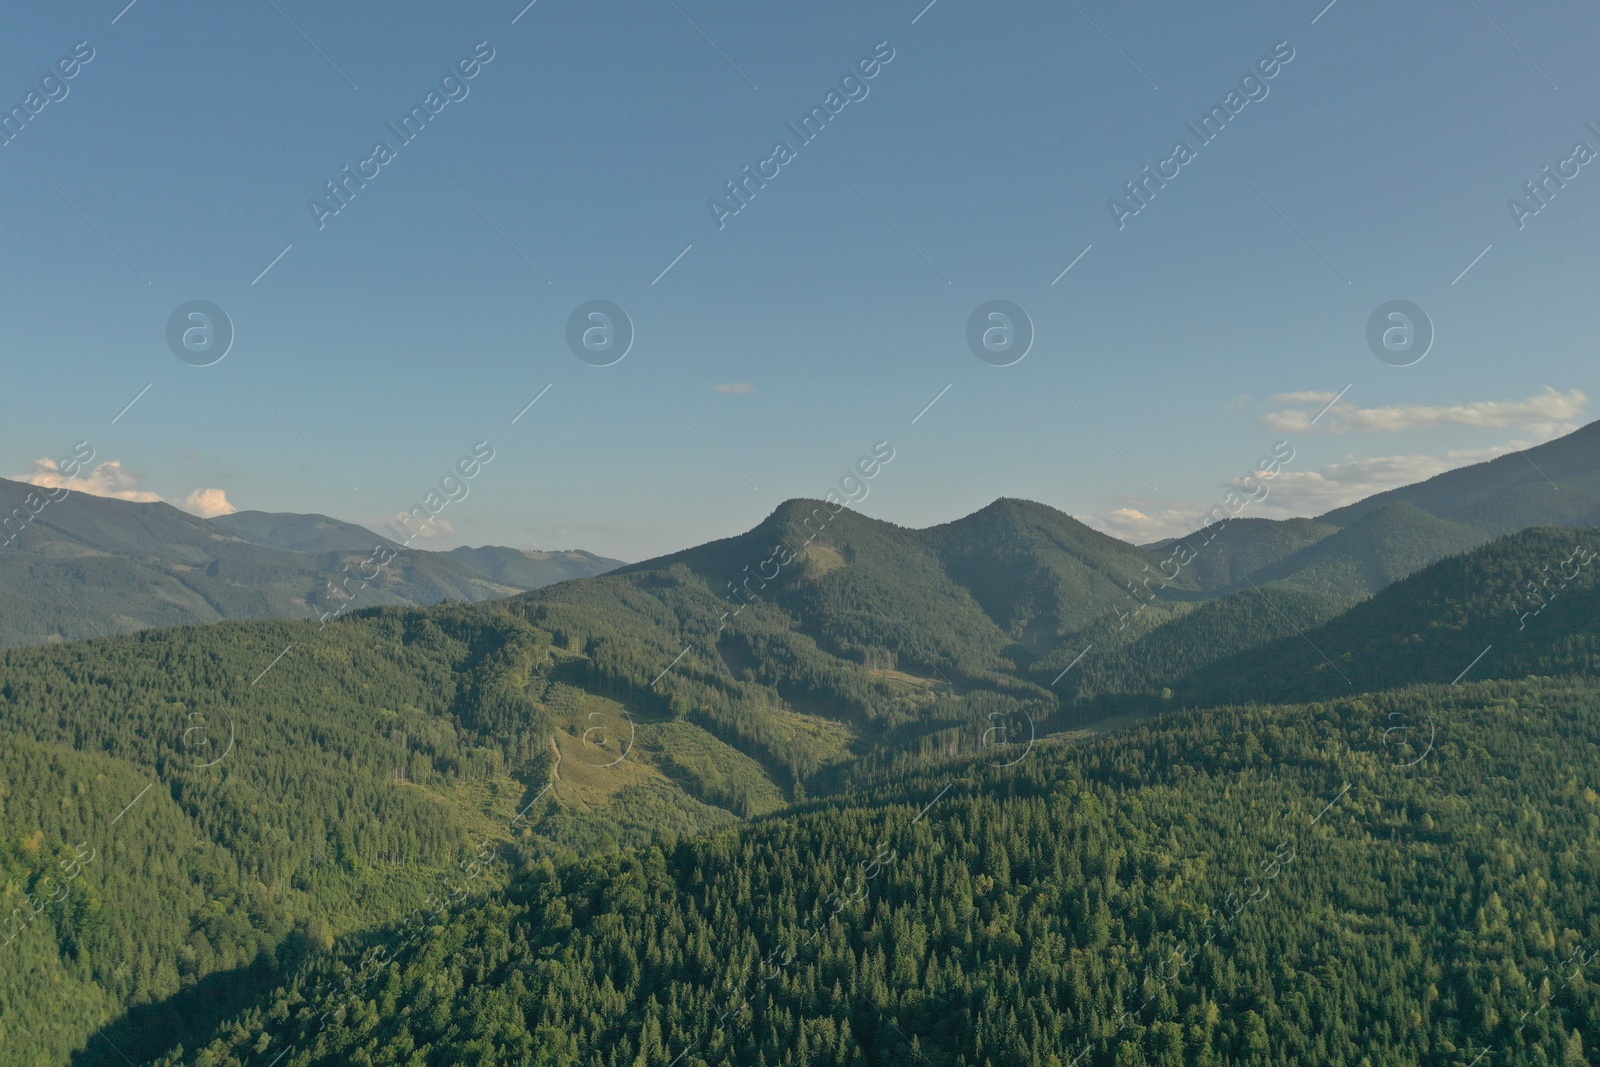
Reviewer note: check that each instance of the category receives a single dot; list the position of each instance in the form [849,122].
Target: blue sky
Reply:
[833,307]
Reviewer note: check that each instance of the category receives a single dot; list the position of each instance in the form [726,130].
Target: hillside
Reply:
[339,772]
[1361,548]
[90,844]
[87,566]
[1201,891]
[809,677]
[525,568]
[291,532]
[1244,547]
[1135,665]
[322,780]
[1378,548]
[911,641]
[1526,604]
[1039,579]
[1553,484]
[1040,575]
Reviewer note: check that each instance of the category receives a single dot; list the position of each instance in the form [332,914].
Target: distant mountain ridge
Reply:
[291,532]
[1553,484]
[1014,584]
[83,566]
[1528,603]
[1362,547]
[528,568]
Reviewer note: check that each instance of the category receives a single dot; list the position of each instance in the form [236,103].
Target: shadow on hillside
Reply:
[148,1031]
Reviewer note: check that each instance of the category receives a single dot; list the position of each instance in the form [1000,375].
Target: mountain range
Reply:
[830,791]
[1362,547]
[84,566]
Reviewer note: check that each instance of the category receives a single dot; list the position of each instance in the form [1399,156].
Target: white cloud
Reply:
[108,480]
[1545,415]
[1309,397]
[1291,494]
[434,528]
[1141,527]
[1287,421]
[1314,492]
[743,388]
[209,503]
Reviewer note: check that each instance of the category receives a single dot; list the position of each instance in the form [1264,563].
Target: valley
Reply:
[1066,798]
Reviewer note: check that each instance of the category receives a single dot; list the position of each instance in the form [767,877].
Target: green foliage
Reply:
[325,781]
[1436,624]
[704,810]
[1164,644]
[1249,886]
[1379,548]
[1228,553]
[712,772]
[112,901]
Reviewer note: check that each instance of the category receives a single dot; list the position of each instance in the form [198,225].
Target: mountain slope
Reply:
[1380,547]
[342,774]
[1243,888]
[310,783]
[1039,574]
[290,532]
[911,640]
[1143,661]
[1479,610]
[1228,553]
[1553,484]
[1394,533]
[85,566]
[126,902]
[525,568]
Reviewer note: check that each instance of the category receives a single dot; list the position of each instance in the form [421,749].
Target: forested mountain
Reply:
[114,899]
[1380,547]
[337,773]
[1141,662]
[325,778]
[87,566]
[1553,484]
[526,568]
[1291,885]
[572,826]
[291,532]
[1362,547]
[84,566]
[1526,604]
[1243,547]
[821,640]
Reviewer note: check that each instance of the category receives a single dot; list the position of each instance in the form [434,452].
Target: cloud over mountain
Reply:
[109,479]
[1545,415]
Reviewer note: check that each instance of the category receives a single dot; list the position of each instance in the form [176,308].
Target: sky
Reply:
[378,337]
